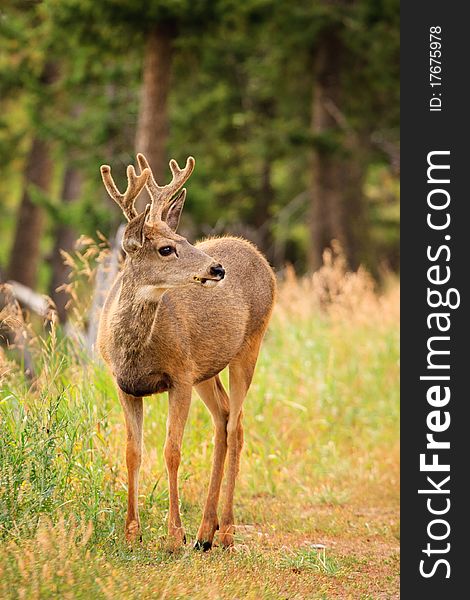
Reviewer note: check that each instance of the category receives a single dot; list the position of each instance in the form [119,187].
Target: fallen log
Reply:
[38,303]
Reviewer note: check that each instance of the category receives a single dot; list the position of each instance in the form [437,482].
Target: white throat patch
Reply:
[149,293]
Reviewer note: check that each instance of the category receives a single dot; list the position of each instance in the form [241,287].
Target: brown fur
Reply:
[162,330]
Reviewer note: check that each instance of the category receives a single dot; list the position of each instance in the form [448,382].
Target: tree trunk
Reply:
[25,253]
[152,126]
[65,237]
[337,207]
[355,226]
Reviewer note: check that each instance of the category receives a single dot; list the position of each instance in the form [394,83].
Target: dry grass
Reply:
[320,464]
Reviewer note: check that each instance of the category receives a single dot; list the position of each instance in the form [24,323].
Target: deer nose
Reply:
[217,271]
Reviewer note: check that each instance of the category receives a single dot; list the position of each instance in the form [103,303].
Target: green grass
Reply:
[320,466]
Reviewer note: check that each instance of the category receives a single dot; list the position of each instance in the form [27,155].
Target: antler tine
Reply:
[162,195]
[135,184]
[152,186]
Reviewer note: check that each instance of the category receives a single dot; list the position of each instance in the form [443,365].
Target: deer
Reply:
[176,315]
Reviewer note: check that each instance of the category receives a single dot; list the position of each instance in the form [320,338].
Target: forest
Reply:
[291,112]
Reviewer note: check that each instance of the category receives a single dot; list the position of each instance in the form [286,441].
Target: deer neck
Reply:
[136,314]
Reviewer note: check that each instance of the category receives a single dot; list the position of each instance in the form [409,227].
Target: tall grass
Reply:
[321,441]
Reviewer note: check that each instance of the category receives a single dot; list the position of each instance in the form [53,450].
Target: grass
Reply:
[320,466]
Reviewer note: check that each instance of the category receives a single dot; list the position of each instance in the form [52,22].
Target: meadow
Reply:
[317,497]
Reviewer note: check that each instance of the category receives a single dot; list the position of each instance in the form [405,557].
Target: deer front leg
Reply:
[179,402]
[133,412]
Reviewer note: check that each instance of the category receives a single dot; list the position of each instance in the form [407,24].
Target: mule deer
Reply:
[177,315]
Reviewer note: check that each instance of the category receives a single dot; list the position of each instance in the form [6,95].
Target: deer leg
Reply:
[179,402]
[215,398]
[133,412]
[234,445]
[240,372]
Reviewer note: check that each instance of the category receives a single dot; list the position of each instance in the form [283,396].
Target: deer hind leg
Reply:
[133,412]
[179,402]
[240,375]
[215,398]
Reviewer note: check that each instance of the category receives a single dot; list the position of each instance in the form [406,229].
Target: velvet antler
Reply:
[135,184]
[162,196]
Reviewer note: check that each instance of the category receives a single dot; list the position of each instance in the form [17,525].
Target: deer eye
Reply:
[166,250]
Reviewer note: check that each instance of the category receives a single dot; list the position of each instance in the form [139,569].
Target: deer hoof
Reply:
[176,540]
[133,533]
[226,536]
[202,545]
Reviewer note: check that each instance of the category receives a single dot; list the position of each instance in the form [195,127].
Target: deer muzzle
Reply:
[215,274]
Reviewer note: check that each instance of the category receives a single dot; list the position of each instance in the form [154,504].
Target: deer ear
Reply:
[172,215]
[134,234]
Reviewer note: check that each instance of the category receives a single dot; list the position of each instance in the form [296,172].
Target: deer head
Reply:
[157,256]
